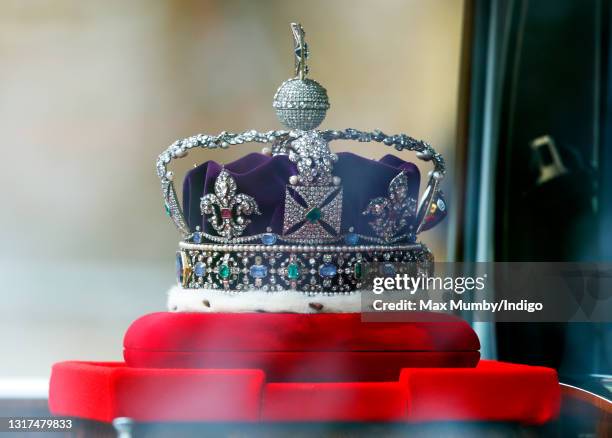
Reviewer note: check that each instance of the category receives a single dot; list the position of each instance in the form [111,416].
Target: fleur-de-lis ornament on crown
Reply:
[391,213]
[226,209]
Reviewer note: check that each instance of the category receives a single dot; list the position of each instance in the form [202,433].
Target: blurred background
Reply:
[516,94]
[92,92]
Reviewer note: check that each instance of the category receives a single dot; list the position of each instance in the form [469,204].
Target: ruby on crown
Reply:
[226,208]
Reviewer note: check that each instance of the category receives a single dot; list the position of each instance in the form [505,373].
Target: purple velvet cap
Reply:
[264,178]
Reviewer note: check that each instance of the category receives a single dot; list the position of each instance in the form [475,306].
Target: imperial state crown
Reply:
[270,231]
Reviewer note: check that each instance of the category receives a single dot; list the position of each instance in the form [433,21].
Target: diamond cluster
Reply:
[226,208]
[391,213]
[301,104]
[314,159]
[319,219]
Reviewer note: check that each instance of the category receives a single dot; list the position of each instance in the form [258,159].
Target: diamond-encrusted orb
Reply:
[301,104]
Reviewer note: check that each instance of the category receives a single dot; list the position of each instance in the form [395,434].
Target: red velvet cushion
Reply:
[106,390]
[307,366]
[187,332]
[297,347]
[491,391]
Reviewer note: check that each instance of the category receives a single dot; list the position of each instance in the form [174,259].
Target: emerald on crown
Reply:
[312,212]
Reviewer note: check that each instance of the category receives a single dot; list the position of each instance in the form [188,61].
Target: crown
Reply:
[296,220]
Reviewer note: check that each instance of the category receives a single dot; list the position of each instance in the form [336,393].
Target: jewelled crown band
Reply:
[313,231]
